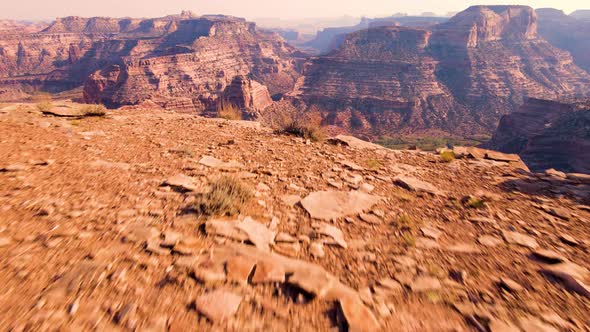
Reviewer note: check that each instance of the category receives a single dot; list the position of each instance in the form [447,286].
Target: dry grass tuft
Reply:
[228,111]
[93,110]
[447,156]
[227,197]
[300,126]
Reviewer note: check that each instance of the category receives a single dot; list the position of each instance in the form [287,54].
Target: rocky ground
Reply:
[105,225]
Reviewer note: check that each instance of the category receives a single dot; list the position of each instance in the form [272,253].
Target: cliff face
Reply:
[191,68]
[381,79]
[181,61]
[547,134]
[460,76]
[567,32]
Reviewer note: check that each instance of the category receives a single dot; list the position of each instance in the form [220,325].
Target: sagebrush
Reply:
[227,197]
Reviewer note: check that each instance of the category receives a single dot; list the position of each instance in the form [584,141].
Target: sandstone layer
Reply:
[182,62]
[460,76]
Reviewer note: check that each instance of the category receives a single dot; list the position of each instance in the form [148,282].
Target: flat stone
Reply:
[548,256]
[367,188]
[463,248]
[258,234]
[404,261]
[218,305]
[424,243]
[520,239]
[571,275]
[209,275]
[430,232]
[532,324]
[267,272]
[284,237]
[499,156]
[569,240]
[331,205]
[413,184]
[139,233]
[316,249]
[497,325]
[5,240]
[370,218]
[239,269]
[226,229]
[557,212]
[351,165]
[482,220]
[391,285]
[219,164]
[331,231]
[489,241]
[355,143]
[181,182]
[287,249]
[109,164]
[358,316]
[290,200]
[425,283]
[510,285]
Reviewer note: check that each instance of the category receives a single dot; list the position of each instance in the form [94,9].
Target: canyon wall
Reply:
[460,76]
[547,134]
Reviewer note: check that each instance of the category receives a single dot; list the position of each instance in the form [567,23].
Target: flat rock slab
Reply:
[520,239]
[216,163]
[355,143]
[413,184]
[218,305]
[332,205]
[331,231]
[181,182]
[258,234]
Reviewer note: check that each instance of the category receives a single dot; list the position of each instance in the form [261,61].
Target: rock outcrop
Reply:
[205,60]
[547,134]
[460,76]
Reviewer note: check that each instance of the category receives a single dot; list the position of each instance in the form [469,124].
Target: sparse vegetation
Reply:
[447,156]
[44,106]
[405,222]
[227,197]
[300,126]
[93,110]
[474,202]
[409,239]
[373,164]
[228,111]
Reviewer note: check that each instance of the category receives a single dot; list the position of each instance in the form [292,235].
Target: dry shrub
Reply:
[447,156]
[227,197]
[228,111]
[299,125]
[45,106]
[93,110]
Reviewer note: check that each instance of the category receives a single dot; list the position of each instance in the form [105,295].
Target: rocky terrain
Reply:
[548,134]
[460,76]
[143,219]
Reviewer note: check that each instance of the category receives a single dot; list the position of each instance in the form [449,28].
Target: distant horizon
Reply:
[38,10]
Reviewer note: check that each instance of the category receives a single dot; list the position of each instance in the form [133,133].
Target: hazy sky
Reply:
[288,9]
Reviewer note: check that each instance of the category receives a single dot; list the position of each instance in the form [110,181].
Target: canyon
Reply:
[396,75]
